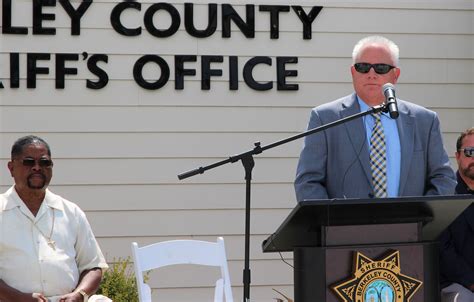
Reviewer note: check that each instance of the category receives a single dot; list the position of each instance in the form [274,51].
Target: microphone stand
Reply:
[248,163]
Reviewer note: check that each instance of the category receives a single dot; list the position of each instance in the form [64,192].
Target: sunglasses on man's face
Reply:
[468,151]
[379,68]
[42,162]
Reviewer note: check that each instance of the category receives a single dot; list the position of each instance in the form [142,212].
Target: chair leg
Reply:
[219,291]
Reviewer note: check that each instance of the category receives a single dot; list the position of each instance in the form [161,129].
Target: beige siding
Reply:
[127,94]
[118,150]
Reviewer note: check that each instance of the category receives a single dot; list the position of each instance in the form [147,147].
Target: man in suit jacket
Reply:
[457,241]
[336,163]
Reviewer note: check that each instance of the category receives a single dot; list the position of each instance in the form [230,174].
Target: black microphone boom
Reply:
[390,99]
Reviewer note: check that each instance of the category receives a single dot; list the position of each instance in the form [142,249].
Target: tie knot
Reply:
[376,116]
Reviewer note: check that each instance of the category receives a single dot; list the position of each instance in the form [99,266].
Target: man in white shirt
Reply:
[47,249]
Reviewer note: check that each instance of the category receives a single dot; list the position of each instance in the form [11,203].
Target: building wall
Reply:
[118,150]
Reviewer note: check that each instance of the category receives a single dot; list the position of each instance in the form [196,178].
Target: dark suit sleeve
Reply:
[457,250]
[310,182]
[440,177]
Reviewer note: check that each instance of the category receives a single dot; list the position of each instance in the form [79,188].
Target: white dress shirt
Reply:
[27,262]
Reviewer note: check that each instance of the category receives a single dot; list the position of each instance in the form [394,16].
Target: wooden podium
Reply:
[342,241]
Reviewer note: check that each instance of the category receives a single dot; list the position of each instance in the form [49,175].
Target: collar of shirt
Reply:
[364,107]
[50,200]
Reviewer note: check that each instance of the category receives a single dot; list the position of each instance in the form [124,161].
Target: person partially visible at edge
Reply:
[335,163]
[465,160]
[47,249]
[457,241]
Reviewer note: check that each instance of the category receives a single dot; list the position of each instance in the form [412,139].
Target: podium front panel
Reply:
[371,234]
[317,269]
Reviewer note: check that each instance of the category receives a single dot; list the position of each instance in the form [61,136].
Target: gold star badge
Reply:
[377,281]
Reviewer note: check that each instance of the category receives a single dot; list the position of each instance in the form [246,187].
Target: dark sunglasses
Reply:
[42,162]
[379,68]
[468,151]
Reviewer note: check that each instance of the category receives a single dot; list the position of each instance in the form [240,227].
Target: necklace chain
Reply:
[49,239]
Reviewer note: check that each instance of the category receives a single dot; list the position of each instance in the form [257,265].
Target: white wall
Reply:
[118,150]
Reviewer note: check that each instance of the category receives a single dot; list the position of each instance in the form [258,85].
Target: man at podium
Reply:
[377,155]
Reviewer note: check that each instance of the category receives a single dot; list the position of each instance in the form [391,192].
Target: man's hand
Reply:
[10,294]
[33,297]
[38,297]
[72,297]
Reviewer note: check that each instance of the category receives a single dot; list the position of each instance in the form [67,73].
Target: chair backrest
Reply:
[182,252]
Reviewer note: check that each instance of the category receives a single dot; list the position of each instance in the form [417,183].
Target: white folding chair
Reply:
[182,252]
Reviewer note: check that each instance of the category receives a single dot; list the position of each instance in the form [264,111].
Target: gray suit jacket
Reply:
[335,163]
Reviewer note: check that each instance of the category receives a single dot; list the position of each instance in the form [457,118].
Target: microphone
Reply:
[390,99]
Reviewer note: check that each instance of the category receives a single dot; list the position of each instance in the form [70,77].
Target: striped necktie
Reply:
[378,159]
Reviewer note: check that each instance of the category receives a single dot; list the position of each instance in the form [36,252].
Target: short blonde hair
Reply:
[393,48]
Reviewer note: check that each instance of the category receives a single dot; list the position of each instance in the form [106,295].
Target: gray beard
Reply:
[36,187]
[468,172]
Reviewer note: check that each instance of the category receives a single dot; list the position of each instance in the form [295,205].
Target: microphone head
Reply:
[390,99]
[387,86]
